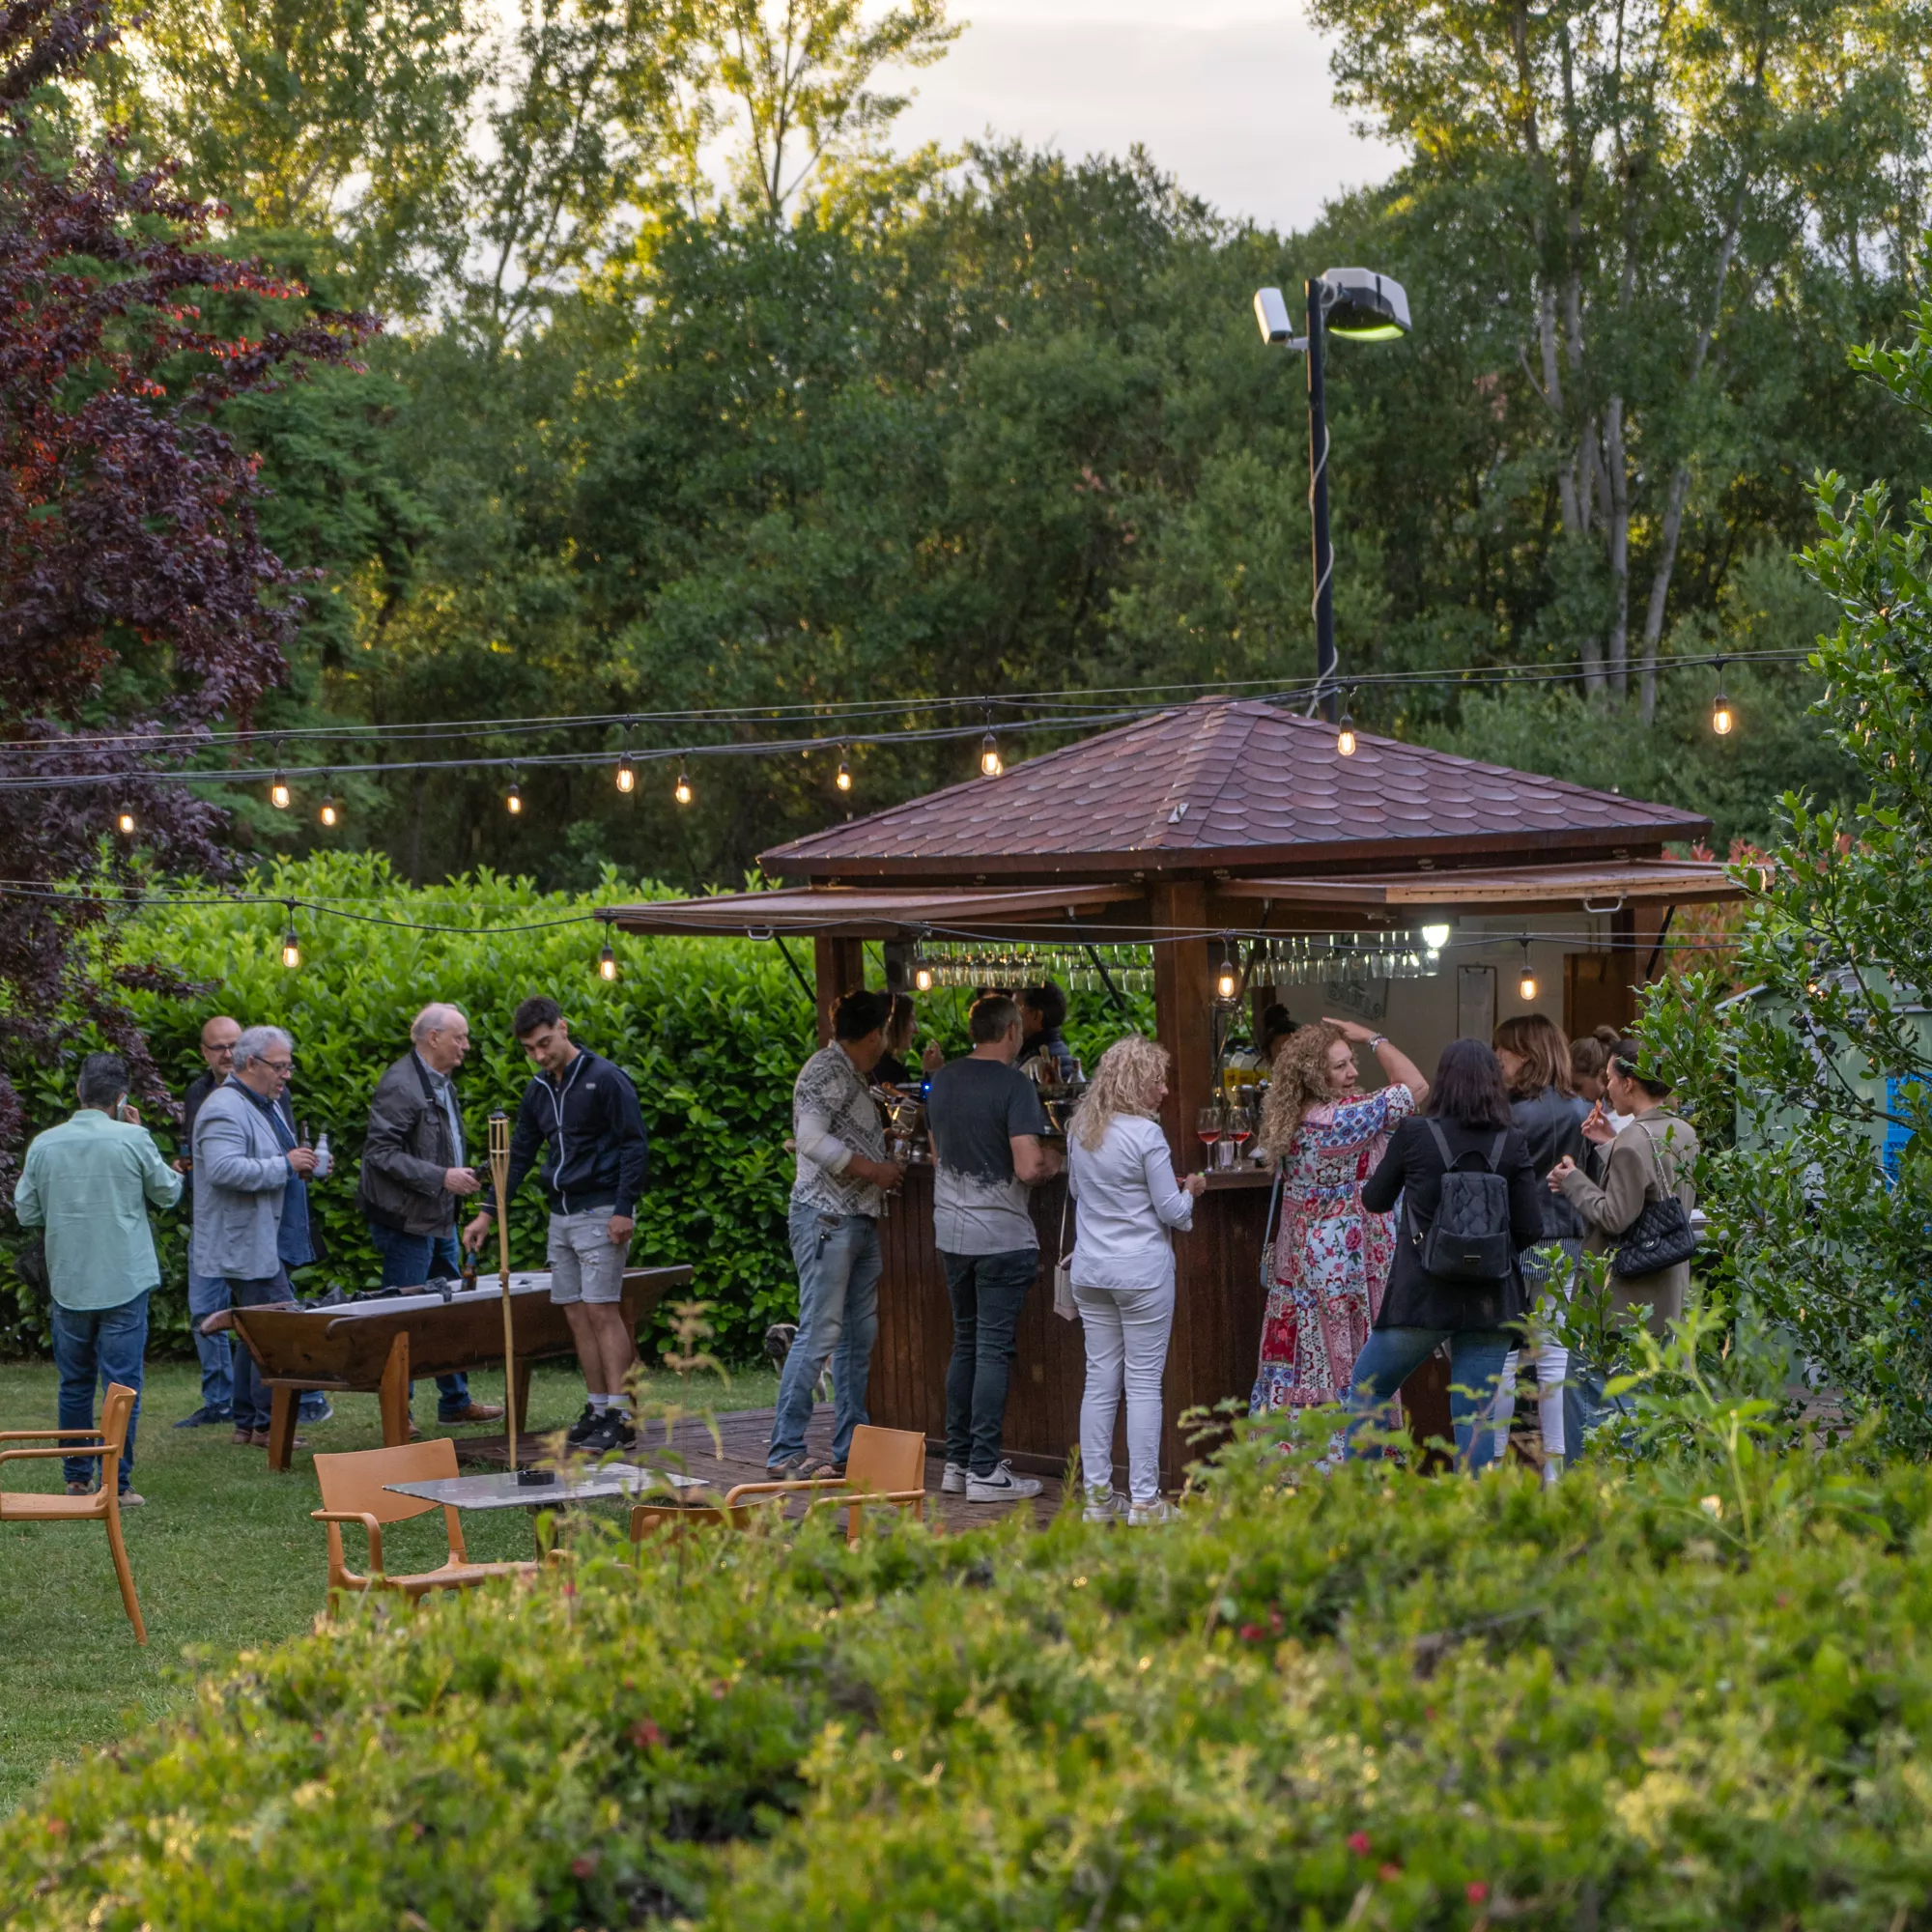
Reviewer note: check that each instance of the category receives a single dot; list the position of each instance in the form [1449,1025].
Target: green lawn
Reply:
[223,1553]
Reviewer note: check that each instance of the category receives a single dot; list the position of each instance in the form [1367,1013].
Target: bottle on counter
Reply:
[324,1161]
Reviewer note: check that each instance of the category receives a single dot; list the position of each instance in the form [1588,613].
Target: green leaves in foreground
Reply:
[1373,1700]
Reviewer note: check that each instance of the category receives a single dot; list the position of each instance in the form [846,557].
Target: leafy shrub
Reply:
[1374,1700]
[711,1031]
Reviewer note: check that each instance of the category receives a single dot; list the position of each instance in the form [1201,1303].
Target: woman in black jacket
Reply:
[1468,1103]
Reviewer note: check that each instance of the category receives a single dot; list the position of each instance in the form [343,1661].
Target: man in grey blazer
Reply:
[245,1160]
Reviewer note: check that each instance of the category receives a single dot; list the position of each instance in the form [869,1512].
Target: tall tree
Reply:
[137,601]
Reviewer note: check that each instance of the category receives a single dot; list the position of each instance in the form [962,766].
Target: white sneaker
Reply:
[954,1481]
[1104,1506]
[1001,1486]
[1160,1510]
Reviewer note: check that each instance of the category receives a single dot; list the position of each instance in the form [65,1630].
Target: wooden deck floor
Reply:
[745,1433]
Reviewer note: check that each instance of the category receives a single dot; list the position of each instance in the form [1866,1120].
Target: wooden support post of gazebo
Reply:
[1197,820]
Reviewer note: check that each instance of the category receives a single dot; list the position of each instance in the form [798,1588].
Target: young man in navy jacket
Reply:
[586,1110]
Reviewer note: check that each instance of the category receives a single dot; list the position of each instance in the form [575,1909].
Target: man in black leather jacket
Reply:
[413,1173]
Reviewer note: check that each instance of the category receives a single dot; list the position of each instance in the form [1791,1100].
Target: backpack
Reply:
[1468,1238]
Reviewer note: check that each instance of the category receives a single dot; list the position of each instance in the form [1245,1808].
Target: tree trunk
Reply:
[1619,526]
[1660,586]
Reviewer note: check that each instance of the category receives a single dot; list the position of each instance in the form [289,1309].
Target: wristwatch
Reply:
[1377,1041]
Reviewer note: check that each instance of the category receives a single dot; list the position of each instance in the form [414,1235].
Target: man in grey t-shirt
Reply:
[986,1121]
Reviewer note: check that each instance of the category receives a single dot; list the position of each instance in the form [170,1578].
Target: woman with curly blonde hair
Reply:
[1121,1178]
[1331,1256]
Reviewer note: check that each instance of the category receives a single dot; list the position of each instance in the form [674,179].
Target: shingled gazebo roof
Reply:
[1230,787]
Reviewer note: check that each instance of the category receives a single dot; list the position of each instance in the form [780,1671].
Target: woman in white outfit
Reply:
[1121,1178]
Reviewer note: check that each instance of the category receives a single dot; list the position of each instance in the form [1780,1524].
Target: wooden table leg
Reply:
[282,1404]
[521,1411]
[393,1393]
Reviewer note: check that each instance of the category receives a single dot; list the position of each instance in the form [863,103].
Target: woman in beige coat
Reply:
[1656,1152]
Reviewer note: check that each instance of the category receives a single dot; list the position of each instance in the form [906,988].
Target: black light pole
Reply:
[1360,305]
[1326,662]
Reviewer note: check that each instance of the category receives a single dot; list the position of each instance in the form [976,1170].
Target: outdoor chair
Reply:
[885,1465]
[102,1506]
[354,1491]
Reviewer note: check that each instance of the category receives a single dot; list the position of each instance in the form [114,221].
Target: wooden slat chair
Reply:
[886,1466]
[102,1506]
[354,1491]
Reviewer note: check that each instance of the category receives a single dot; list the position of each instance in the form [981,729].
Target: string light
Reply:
[512,799]
[844,779]
[607,962]
[1345,734]
[1435,937]
[1227,981]
[329,815]
[124,822]
[1722,718]
[627,772]
[992,764]
[292,956]
[681,791]
[280,794]
[1525,986]
[921,976]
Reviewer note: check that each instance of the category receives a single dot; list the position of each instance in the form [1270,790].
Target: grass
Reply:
[224,1556]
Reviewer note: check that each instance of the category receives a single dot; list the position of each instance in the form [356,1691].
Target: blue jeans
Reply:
[249,1406]
[1391,1355]
[207,1293]
[104,1345]
[839,1266]
[408,1260]
[988,1292]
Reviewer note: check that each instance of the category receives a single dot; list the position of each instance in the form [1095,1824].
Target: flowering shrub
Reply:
[1374,1700]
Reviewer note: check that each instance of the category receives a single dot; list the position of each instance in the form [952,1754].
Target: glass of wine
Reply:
[1208,1125]
[1241,1128]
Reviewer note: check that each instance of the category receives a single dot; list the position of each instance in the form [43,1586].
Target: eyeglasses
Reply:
[279,1066]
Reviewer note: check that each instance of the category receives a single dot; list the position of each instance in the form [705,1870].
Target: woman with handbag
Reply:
[1640,1211]
[1120,1177]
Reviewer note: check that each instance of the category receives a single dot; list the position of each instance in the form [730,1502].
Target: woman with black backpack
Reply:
[1470,1206]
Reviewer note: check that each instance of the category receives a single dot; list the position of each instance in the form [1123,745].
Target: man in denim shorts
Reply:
[586,1110]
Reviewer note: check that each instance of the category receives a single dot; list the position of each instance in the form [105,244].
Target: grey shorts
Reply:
[585,1264]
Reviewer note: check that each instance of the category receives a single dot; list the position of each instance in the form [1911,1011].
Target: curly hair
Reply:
[1298,1080]
[1127,1080]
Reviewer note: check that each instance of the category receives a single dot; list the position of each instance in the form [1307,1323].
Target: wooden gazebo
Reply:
[1192,830]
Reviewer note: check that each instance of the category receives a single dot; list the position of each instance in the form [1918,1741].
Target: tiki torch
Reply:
[499,1172]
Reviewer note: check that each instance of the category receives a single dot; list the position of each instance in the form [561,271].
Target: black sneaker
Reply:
[613,1432]
[584,1427]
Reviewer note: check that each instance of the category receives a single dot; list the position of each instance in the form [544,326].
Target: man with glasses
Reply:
[415,1171]
[586,1110]
[244,1157]
[207,1293]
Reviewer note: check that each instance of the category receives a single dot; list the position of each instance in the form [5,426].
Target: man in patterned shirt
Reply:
[844,1177]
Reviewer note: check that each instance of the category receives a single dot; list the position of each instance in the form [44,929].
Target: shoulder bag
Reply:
[1063,1304]
[1661,1234]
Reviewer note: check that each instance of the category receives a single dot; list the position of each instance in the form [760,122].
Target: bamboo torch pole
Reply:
[499,1172]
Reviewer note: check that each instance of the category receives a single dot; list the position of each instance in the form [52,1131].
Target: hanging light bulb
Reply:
[992,764]
[1722,718]
[681,791]
[1525,986]
[627,772]
[1228,979]
[1435,937]
[607,962]
[330,813]
[844,779]
[292,956]
[512,799]
[921,976]
[1345,734]
[279,795]
[124,822]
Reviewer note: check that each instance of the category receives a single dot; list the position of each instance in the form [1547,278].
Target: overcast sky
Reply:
[1232,97]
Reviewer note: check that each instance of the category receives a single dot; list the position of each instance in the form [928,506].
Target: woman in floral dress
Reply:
[1331,1256]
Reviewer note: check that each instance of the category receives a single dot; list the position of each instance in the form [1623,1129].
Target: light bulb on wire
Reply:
[844,779]
[291,954]
[627,772]
[124,822]
[1526,985]
[1345,734]
[681,791]
[1227,981]
[1722,716]
[1435,937]
[330,813]
[992,764]
[606,963]
[921,976]
[512,799]
[280,794]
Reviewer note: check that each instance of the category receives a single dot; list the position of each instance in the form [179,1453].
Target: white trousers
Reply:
[1127,1330]
[1552,1370]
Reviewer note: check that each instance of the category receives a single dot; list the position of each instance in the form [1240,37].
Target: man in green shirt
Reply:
[88,1182]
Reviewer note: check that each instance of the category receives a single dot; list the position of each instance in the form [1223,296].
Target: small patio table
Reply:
[500,1490]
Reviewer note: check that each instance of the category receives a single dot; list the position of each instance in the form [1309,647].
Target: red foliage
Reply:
[136,594]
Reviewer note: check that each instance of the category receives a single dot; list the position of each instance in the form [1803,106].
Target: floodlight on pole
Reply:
[1357,305]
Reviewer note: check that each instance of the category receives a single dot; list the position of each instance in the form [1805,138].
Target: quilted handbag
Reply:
[1661,1235]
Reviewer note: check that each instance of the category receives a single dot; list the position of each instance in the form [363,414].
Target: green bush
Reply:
[1376,1699]
[711,1031]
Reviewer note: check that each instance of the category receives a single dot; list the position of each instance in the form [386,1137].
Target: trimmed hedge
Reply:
[1385,1700]
[711,1031]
